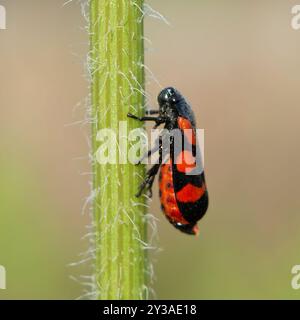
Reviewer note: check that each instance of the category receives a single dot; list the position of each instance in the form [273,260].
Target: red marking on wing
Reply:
[189,132]
[190,193]
[168,199]
[185,162]
[184,123]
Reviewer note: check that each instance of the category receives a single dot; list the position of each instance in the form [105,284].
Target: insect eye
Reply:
[173,99]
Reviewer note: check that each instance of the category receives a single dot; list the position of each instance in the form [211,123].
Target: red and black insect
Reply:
[184,197]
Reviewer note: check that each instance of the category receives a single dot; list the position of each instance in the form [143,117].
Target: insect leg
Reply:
[130,115]
[159,143]
[152,112]
[148,154]
[159,120]
[148,182]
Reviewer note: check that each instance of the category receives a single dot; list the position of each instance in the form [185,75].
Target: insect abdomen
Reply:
[167,195]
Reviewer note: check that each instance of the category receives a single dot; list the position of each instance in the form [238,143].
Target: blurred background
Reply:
[238,64]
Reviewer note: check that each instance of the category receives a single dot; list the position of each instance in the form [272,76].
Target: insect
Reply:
[182,187]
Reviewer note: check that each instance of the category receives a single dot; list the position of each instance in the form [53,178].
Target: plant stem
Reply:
[116,61]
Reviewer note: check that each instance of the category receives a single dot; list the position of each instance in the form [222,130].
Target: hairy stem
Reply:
[116,60]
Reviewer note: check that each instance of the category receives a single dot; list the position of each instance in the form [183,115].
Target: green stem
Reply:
[117,56]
